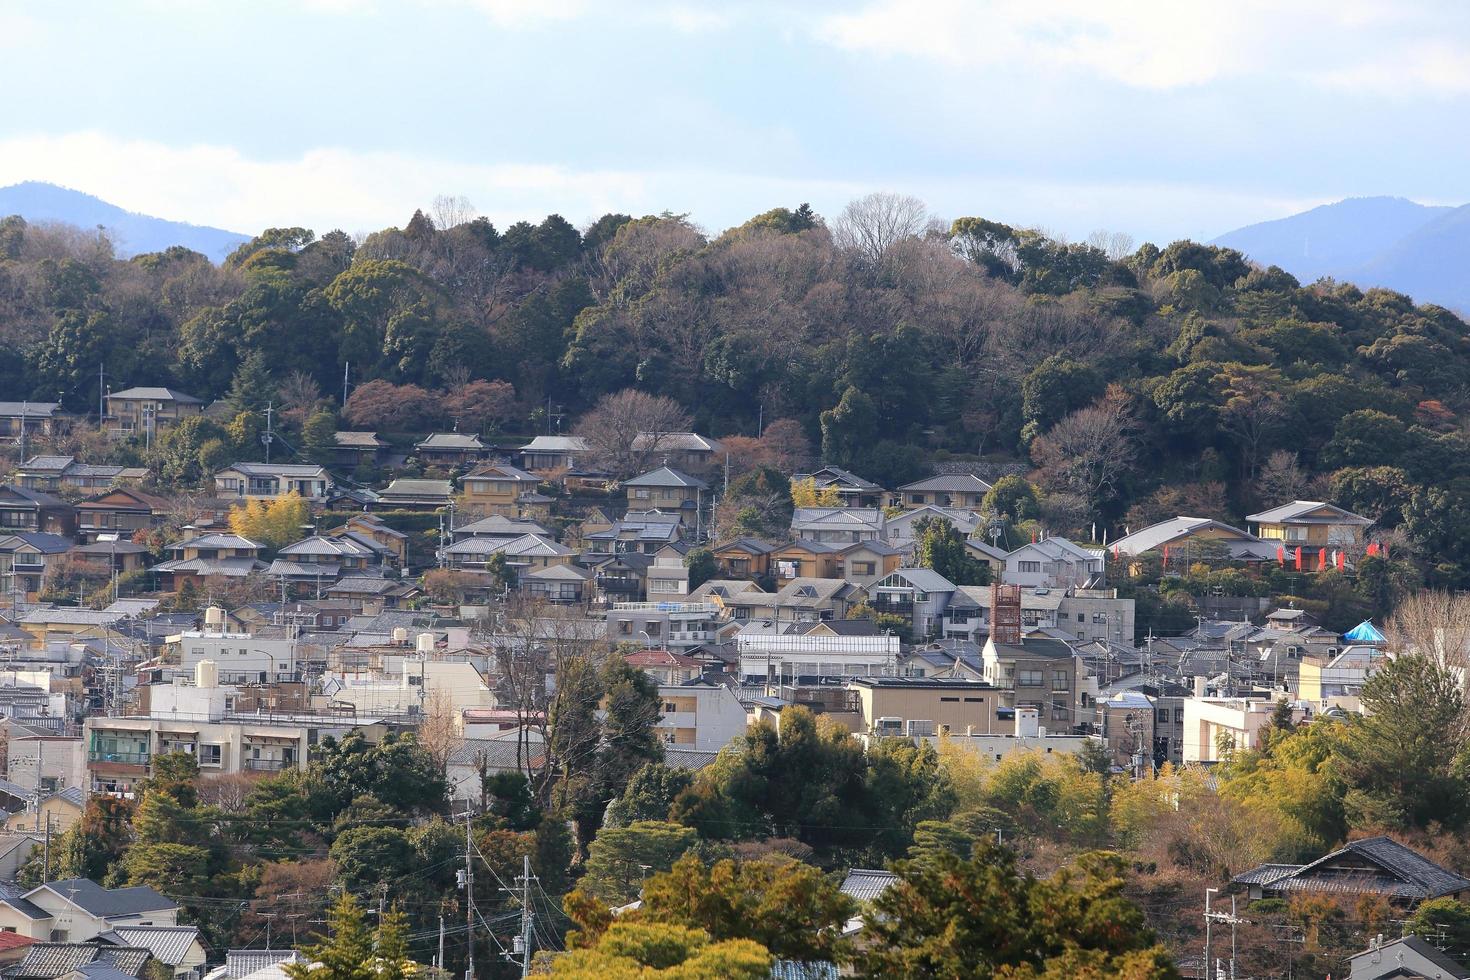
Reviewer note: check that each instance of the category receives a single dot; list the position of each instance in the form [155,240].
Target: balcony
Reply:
[625,586]
[268,765]
[119,758]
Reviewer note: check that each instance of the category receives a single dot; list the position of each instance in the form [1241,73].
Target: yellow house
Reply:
[1311,524]
[57,811]
[499,488]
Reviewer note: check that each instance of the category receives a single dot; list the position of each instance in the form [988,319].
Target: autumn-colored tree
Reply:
[480,405]
[381,404]
[629,950]
[806,493]
[276,524]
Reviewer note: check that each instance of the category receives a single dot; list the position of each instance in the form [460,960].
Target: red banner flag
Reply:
[1166,556]
[1372,548]
[1321,559]
[1341,561]
[1281,554]
[1298,557]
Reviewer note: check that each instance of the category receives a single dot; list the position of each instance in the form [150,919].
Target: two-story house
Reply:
[351,449]
[668,577]
[27,560]
[550,455]
[1312,524]
[805,559]
[640,532]
[962,491]
[55,472]
[919,595]
[901,528]
[122,511]
[32,418]
[665,489]
[1041,672]
[743,558]
[700,715]
[226,555]
[34,510]
[558,584]
[863,563]
[271,481]
[77,910]
[812,599]
[499,488]
[369,530]
[851,489]
[322,560]
[407,493]
[144,411]
[677,626]
[450,449]
[522,554]
[837,525]
[1054,563]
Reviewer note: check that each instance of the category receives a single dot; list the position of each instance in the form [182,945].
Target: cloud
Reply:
[1168,44]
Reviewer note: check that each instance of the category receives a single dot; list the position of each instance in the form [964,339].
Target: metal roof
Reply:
[158,395]
[666,476]
[38,410]
[275,469]
[106,902]
[1301,512]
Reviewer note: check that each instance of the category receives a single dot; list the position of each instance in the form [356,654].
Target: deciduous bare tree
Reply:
[612,430]
[1281,478]
[452,210]
[1088,451]
[300,395]
[872,225]
[1434,624]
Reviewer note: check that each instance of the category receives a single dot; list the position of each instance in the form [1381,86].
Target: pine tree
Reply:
[348,952]
[252,389]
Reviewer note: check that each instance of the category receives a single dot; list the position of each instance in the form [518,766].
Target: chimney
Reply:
[1005,614]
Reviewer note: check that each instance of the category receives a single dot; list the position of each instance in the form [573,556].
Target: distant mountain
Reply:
[1370,241]
[133,234]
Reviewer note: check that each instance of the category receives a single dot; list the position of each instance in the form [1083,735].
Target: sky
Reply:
[1163,119]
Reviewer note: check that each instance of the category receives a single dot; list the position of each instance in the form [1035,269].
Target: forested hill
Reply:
[1140,384]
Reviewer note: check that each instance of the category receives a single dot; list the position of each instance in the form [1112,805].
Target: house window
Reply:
[956,700]
[1028,678]
[974,700]
[1081,618]
[1163,716]
[1179,716]
[625,628]
[653,629]
[210,755]
[1060,680]
[1030,566]
[864,568]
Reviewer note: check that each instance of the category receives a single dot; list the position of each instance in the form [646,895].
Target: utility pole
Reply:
[469,898]
[1209,948]
[101,393]
[526,915]
[46,854]
[269,434]
[1232,919]
[346,366]
[23,409]
[439,962]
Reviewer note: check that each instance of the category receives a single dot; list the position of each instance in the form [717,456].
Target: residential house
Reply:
[863,563]
[499,488]
[547,455]
[499,526]
[369,529]
[665,489]
[56,812]
[619,577]
[770,652]
[1054,563]
[1407,956]
[962,491]
[688,451]
[226,555]
[812,599]
[699,715]
[176,947]
[667,578]
[272,481]
[1215,727]
[1093,615]
[56,472]
[1374,867]
[321,560]
[908,706]
[33,510]
[121,557]
[665,666]
[1042,673]
[27,560]
[900,529]
[743,558]
[1128,730]
[120,751]
[34,418]
[851,489]
[837,525]
[1184,540]
[120,511]
[523,554]
[643,532]
[738,599]
[1337,681]
[77,910]
[144,411]
[559,584]
[372,594]
[1312,524]
[919,595]
[676,626]
[805,559]
[450,449]
[80,961]
[412,494]
[351,449]
[967,616]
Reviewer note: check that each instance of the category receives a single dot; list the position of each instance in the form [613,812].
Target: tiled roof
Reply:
[217,541]
[70,617]
[169,944]
[1300,512]
[801,970]
[418,488]
[243,962]
[37,410]
[12,894]
[688,759]
[866,884]
[924,579]
[673,442]
[1401,873]
[556,444]
[107,902]
[158,395]
[450,440]
[358,440]
[46,961]
[948,483]
[666,476]
[276,469]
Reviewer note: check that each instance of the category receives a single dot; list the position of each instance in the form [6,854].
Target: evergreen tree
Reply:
[252,389]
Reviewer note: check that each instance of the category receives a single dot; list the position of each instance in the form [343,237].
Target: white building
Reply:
[120,751]
[766,654]
[78,909]
[700,715]
[1054,563]
[242,658]
[1215,726]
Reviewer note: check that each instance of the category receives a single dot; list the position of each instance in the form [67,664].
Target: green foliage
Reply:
[939,546]
[398,771]
[621,857]
[1013,499]
[635,951]
[952,917]
[702,566]
[649,795]
[1444,922]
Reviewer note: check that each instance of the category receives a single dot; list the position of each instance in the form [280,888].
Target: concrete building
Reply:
[676,626]
[1054,563]
[1214,726]
[918,706]
[699,715]
[120,751]
[271,481]
[768,654]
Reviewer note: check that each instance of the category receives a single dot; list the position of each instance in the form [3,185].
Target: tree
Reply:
[612,430]
[347,951]
[381,404]
[1281,479]
[300,395]
[1054,389]
[1404,760]
[1011,498]
[805,493]
[366,856]
[790,908]
[1444,922]
[871,226]
[702,566]
[319,437]
[252,388]
[649,795]
[1088,452]
[630,949]
[849,428]
[276,524]
[620,857]
[479,405]
[397,770]
[939,546]
[951,917]
[1379,493]
[1365,438]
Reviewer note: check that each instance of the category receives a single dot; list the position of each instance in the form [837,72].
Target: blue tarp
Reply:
[1364,632]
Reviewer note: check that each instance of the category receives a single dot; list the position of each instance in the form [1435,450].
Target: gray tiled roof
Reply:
[243,962]
[801,970]
[666,476]
[169,944]
[158,395]
[948,483]
[108,902]
[1402,873]
[866,884]
[45,961]
[36,410]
